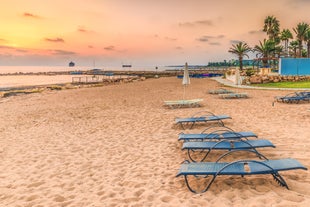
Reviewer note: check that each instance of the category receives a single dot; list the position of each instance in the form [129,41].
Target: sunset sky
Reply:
[137,32]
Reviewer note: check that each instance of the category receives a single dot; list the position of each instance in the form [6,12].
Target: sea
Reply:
[23,76]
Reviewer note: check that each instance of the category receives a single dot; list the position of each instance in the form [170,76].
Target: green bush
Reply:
[249,72]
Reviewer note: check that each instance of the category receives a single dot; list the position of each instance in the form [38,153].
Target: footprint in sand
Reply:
[166,199]
[289,196]
[139,192]
[59,198]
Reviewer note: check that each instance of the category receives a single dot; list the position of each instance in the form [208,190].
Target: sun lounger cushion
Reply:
[220,91]
[225,135]
[202,119]
[194,120]
[234,95]
[183,103]
[227,145]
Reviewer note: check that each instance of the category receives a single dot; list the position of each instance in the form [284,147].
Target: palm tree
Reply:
[265,50]
[308,43]
[285,36]
[240,49]
[304,53]
[272,27]
[301,31]
[293,47]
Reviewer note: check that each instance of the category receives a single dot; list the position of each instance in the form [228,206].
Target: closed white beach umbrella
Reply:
[186,81]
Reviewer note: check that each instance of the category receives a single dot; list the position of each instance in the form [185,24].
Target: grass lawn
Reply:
[303,84]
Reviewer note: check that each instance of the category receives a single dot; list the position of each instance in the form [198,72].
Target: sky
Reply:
[137,32]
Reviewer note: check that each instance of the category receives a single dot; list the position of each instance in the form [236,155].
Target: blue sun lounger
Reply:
[233,95]
[208,117]
[183,103]
[220,91]
[207,146]
[295,97]
[241,167]
[216,133]
[219,136]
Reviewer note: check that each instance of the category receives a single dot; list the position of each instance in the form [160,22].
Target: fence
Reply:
[294,66]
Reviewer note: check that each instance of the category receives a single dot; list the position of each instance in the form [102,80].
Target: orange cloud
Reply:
[196,23]
[110,48]
[63,52]
[26,14]
[83,30]
[57,39]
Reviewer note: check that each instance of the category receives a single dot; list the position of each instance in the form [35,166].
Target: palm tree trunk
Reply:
[240,63]
[308,49]
[299,48]
[286,48]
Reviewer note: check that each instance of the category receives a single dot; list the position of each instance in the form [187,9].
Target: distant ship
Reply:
[71,64]
[126,66]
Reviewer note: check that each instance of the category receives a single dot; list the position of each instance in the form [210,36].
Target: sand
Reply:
[117,146]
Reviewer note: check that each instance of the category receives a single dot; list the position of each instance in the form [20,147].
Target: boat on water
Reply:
[71,64]
[126,66]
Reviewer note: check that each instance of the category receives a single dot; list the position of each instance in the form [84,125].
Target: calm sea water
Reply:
[35,69]
[11,81]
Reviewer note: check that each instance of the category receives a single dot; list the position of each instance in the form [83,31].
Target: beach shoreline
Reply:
[117,146]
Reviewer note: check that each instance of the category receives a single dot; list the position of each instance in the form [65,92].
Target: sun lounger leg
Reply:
[193,160]
[221,123]
[204,190]
[279,179]
[193,123]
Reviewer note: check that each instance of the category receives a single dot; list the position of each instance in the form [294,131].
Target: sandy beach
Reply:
[117,145]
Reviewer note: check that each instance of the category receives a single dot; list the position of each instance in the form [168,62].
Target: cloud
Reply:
[297,2]
[186,24]
[196,23]
[27,14]
[203,39]
[6,47]
[21,50]
[214,43]
[206,38]
[220,36]
[57,39]
[179,48]
[82,29]
[253,32]
[205,22]
[234,41]
[63,52]
[90,46]
[170,39]
[109,48]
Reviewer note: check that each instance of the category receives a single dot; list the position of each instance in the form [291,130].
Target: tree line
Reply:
[269,50]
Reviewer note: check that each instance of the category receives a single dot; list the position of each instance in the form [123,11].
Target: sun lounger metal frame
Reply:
[222,133]
[295,97]
[227,144]
[205,117]
[240,167]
